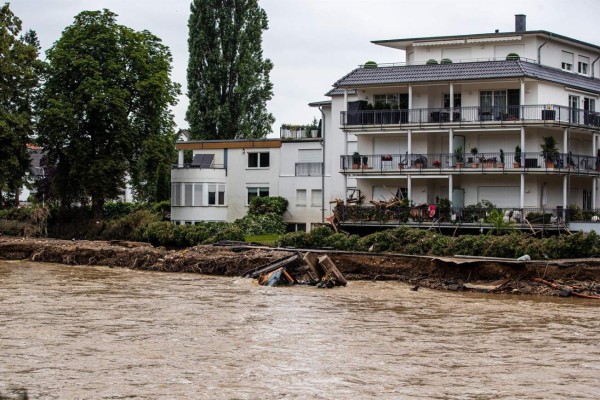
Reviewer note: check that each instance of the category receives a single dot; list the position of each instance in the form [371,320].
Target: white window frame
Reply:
[257,193]
[301,198]
[583,65]
[318,200]
[259,161]
[567,61]
[218,201]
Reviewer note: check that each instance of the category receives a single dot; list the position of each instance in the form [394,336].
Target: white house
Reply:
[225,175]
[447,123]
[464,118]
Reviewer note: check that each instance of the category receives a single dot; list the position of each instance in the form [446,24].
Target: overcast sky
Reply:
[313,43]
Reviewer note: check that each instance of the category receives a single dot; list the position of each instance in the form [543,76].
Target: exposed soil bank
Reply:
[437,273]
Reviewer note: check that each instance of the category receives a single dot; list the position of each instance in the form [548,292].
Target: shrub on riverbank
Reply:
[405,240]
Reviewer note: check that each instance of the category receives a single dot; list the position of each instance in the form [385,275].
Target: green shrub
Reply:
[431,61]
[129,227]
[446,61]
[512,57]
[267,205]
[233,233]
[261,224]
[117,209]
[12,227]
[160,233]
[370,64]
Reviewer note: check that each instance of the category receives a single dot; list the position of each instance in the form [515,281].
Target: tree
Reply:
[105,102]
[20,70]
[228,79]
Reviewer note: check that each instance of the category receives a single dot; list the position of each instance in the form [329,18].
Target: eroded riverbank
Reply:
[581,275]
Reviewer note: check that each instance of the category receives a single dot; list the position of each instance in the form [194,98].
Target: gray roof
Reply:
[465,71]
[338,92]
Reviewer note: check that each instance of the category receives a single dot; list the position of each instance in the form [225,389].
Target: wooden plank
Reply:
[315,272]
[255,273]
[330,268]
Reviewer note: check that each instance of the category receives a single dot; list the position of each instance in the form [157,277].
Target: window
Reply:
[216,194]
[176,194]
[187,192]
[257,192]
[258,160]
[198,201]
[301,197]
[446,100]
[574,105]
[395,100]
[567,61]
[582,65]
[315,198]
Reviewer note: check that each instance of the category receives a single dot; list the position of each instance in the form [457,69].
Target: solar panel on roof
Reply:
[197,161]
[207,161]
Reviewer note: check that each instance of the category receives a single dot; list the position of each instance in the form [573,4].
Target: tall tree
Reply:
[20,70]
[228,79]
[107,97]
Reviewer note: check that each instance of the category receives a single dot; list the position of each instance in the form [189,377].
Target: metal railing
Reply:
[188,165]
[309,169]
[454,61]
[469,215]
[445,162]
[548,113]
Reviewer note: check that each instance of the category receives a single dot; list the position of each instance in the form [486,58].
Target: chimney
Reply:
[520,23]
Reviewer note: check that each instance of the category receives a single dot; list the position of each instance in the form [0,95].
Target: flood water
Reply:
[100,333]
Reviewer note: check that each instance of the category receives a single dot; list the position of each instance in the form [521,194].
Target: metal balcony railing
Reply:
[445,162]
[469,215]
[190,166]
[309,169]
[550,113]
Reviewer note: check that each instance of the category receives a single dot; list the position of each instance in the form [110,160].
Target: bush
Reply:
[160,233]
[370,64]
[233,233]
[512,57]
[265,205]
[117,209]
[129,227]
[431,61]
[262,224]
[446,61]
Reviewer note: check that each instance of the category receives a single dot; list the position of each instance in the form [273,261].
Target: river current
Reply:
[70,332]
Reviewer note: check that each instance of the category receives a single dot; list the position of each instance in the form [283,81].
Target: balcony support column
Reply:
[409,188]
[523,142]
[180,158]
[566,140]
[450,187]
[451,101]
[409,144]
[565,191]
[410,102]
[594,179]
[522,94]
[451,144]
[522,192]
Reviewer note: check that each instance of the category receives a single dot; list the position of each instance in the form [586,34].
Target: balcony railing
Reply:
[473,114]
[309,169]
[445,162]
[470,215]
[190,166]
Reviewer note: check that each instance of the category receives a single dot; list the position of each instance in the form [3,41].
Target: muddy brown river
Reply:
[100,333]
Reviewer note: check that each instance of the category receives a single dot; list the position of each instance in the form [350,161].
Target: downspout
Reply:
[596,60]
[323,165]
[539,51]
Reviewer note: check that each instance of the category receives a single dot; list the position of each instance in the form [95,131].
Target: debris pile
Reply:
[296,269]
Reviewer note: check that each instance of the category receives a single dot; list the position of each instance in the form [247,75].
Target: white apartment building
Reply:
[225,175]
[464,119]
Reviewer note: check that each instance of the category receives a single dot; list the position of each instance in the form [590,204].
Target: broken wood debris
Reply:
[320,271]
[565,291]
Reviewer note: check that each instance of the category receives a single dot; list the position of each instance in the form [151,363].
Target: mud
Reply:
[580,275]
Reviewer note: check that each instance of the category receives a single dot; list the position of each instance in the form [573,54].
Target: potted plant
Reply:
[517,163]
[459,156]
[386,157]
[356,160]
[365,161]
[501,163]
[474,160]
[420,162]
[436,163]
[549,150]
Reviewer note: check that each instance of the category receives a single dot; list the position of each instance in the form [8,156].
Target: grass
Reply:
[263,239]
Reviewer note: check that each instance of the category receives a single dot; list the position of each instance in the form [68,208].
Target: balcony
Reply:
[467,217]
[444,163]
[309,169]
[472,115]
